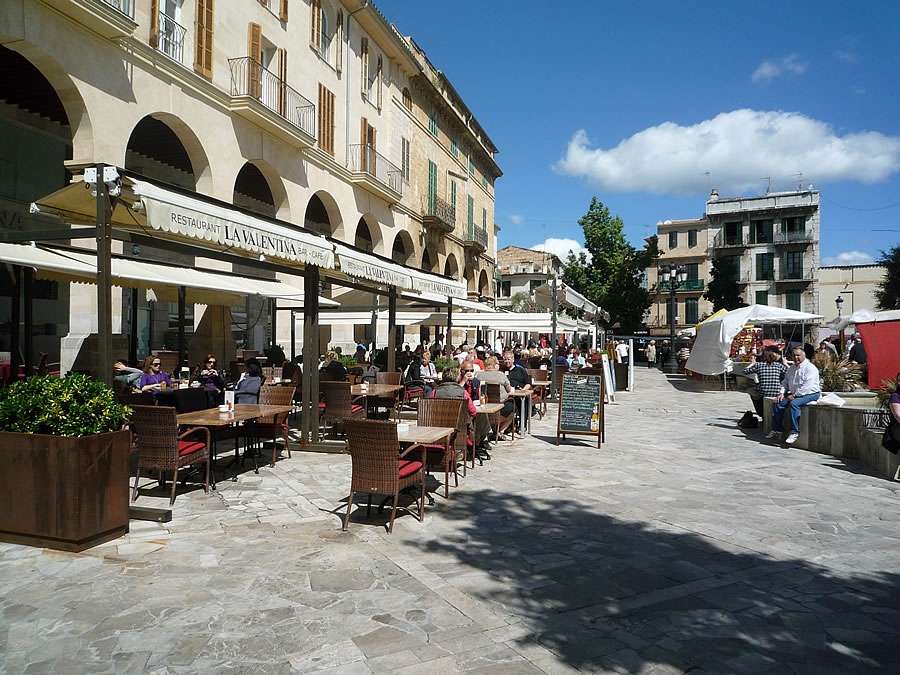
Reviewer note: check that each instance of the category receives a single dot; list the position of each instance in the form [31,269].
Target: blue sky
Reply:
[818,84]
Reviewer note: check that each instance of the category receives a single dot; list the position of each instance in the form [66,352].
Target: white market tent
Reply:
[712,348]
[864,316]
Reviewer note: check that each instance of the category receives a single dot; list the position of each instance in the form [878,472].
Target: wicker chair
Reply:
[379,467]
[558,372]
[443,412]
[160,446]
[390,403]
[539,398]
[492,395]
[132,399]
[270,428]
[191,400]
[339,403]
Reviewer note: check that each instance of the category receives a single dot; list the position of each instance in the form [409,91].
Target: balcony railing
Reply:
[171,37]
[801,236]
[477,235]
[126,7]
[440,213]
[722,240]
[687,285]
[805,274]
[366,160]
[250,78]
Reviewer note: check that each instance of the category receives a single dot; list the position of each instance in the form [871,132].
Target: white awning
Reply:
[566,296]
[366,266]
[203,287]
[192,218]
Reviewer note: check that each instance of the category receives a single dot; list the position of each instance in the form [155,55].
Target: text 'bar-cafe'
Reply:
[108,203]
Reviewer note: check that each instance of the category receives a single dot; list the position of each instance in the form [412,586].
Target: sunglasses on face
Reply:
[211,363]
[156,365]
[468,370]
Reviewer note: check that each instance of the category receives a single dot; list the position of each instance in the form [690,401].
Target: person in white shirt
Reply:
[622,352]
[800,388]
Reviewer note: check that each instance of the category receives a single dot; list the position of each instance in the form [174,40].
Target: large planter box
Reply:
[63,493]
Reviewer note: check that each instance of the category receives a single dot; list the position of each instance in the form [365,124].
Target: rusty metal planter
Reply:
[63,493]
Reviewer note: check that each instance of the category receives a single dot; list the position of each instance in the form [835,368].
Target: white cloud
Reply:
[561,247]
[735,149]
[847,56]
[772,68]
[516,219]
[849,258]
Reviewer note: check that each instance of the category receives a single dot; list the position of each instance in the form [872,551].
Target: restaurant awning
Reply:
[566,296]
[187,217]
[355,299]
[202,287]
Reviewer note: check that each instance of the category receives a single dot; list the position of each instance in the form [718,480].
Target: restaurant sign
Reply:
[372,268]
[234,229]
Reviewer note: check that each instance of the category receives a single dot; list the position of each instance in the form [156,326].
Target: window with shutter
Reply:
[471,213]
[283,10]
[254,67]
[432,186]
[326,120]
[203,53]
[454,147]
[154,23]
[404,158]
[315,33]
[379,81]
[339,42]
[364,65]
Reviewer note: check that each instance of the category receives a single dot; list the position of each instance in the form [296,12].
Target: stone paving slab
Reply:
[683,544]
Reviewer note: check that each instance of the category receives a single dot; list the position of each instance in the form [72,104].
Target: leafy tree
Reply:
[610,273]
[522,302]
[722,290]
[887,295]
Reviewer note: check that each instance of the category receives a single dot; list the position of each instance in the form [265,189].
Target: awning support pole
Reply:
[553,347]
[310,380]
[182,310]
[293,336]
[392,330]
[104,285]
[449,321]
[133,338]
[28,297]
[273,310]
[15,314]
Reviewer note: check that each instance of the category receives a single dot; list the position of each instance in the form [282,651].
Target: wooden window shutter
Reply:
[282,85]
[254,67]
[283,10]
[315,36]
[203,54]
[154,23]
[364,62]
[339,42]
[380,79]
[326,120]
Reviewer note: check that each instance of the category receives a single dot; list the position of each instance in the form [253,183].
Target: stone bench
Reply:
[840,432]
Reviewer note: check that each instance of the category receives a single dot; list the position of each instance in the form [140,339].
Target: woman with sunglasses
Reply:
[210,378]
[153,378]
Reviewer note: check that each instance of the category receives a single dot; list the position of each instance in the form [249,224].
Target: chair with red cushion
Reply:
[378,466]
[271,428]
[160,446]
[443,412]
[340,404]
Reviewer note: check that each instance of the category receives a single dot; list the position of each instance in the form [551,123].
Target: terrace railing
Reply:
[250,78]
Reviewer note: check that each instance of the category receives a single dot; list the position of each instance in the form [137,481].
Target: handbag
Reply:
[891,439]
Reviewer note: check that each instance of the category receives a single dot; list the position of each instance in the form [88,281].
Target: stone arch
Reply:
[367,235]
[258,187]
[323,215]
[77,118]
[451,267]
[429,262]
[403,251]
[162,146]
[469,276]
[484,285]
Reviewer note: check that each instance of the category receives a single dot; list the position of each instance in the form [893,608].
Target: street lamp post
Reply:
[676,276]
[839,301]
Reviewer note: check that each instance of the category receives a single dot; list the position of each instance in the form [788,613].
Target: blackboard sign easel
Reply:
[582,407]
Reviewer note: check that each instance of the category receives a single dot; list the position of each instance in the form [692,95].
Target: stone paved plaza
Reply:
[682,545]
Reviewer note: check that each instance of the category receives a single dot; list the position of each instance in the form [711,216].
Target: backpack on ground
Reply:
[748,421]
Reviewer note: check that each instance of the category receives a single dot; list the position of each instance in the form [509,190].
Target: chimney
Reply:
[714,195]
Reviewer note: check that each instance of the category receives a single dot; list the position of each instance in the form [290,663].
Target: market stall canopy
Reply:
[864,316]
[712,348]
[202,287]
[193,218]
[566,296]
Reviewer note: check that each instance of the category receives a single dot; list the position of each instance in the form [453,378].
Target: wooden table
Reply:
[491,410]
[424,435]
[375,390]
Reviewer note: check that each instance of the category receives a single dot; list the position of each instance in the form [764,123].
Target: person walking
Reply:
[801,387]
[651,354]
[769,375]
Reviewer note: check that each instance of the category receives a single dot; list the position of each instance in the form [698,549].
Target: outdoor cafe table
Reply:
[375,390]
[409,434]
[490,409]
[243,412]
[524,396]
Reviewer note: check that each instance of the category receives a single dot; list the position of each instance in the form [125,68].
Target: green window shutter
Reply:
[432,185]
[762,297]
[471,167]
[484,219]
[454,147]
[471,212]
[453,199]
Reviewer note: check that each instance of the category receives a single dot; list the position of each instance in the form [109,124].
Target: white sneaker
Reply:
[773,434]
[791,439]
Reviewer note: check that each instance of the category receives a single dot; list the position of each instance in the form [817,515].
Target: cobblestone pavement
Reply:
[681,545]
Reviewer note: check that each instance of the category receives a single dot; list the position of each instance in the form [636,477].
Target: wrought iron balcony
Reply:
[730,241]
[375,172]
[171,37]
[799,237]
[262,97]
[439,215]
[804,275]
[476,237]
[686,285]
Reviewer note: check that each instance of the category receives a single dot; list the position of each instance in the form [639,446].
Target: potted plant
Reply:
[64,450]
[840,375]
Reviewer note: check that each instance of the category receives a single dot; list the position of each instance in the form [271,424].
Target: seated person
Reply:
[127,375]
[801,387]
[413,376]
[450,387]
[210,379]
[467,379]
[332,369]
[153,378]
[247,388]
[427,369]
[492,375]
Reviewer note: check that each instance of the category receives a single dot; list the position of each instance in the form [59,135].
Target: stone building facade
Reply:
[317,112]
[523,270]
[855,284]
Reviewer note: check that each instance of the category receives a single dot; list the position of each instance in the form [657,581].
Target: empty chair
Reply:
[443,412]
[160,446]
[378,466]
[339,403]
[271,428]
[391,402]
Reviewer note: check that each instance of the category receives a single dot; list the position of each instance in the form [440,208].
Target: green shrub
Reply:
[443,362]
[76,405]
[348,362]
[884,392]
[838,375]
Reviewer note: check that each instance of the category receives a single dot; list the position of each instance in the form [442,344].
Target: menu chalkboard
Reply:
[581,406]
